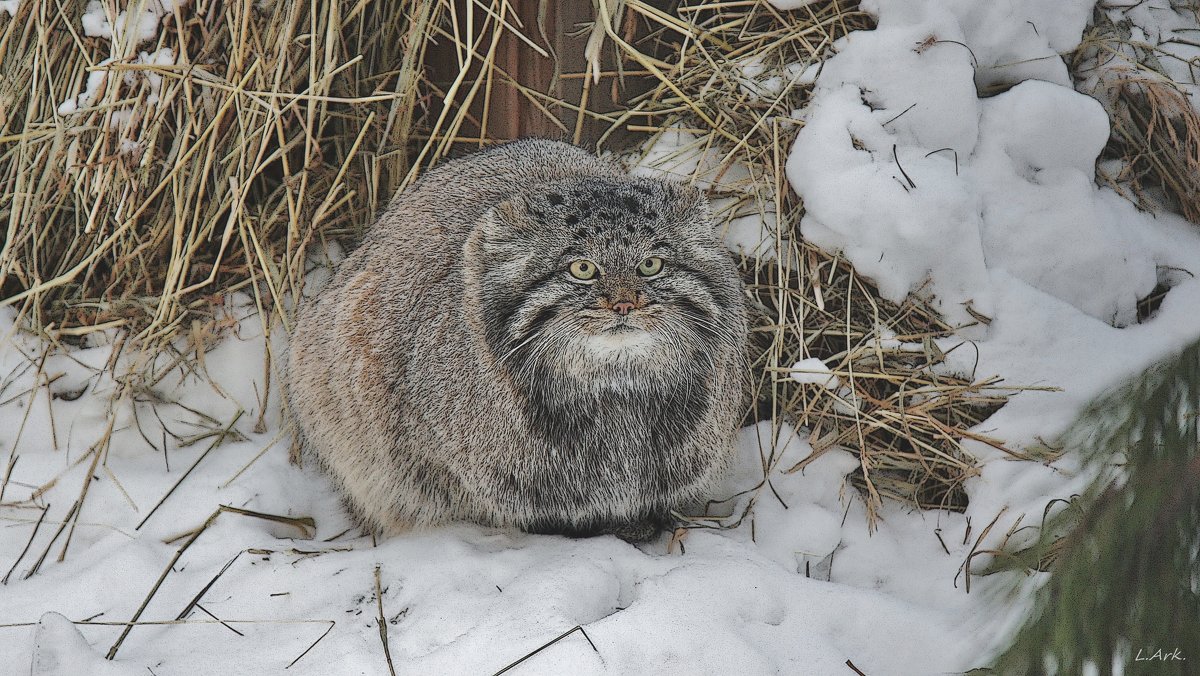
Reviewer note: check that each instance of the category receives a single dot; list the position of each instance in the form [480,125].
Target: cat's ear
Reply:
[506,220]
[501,232]
[689,205]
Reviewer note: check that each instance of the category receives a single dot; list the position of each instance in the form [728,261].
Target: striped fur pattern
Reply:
[458,367]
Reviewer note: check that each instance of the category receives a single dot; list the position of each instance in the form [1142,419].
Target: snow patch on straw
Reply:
[761,80]
[1170,31]
[98,21]
[162,57]
[791,4]
[813,371]
[96,81]
[140,22]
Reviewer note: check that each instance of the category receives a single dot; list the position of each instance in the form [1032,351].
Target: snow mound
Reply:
[930,189]
[60,650]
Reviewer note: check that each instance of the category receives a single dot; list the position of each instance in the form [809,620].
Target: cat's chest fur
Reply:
[648,412]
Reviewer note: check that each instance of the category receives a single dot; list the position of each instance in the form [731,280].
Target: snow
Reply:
[140,21]
[464,599]
[791,4]
[96,80]
[816,372]
[939,195]
[986,203]
[989,206]
[61,650]
[926,186]
[10,7]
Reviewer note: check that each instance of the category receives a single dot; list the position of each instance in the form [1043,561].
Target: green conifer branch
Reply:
[1124,587]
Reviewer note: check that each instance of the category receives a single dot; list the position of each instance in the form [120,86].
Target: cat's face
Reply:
[597,272]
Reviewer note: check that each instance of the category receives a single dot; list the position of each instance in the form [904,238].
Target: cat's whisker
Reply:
[562,331]
[525,342]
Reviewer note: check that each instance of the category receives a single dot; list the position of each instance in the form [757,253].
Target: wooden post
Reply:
[561,29]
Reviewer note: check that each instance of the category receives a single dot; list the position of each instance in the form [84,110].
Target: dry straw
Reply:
[208,173]
[142,201]
[268,126]
[1155,125]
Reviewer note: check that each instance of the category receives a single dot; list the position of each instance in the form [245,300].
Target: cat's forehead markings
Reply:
[607,215]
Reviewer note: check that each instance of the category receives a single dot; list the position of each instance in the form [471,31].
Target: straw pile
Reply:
[149,167]
[1154,149]
[216,154]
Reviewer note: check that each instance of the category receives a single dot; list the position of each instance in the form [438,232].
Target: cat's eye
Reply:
[583,270]
[651,266]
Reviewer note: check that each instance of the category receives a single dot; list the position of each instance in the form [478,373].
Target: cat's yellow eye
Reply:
[651,266]
[583,270]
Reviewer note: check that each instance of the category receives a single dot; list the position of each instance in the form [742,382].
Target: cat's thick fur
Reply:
[453,369]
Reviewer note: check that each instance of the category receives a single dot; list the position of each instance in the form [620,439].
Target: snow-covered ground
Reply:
[983,202]
[459,600]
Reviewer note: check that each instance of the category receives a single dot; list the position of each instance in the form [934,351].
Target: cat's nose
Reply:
[623,308]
